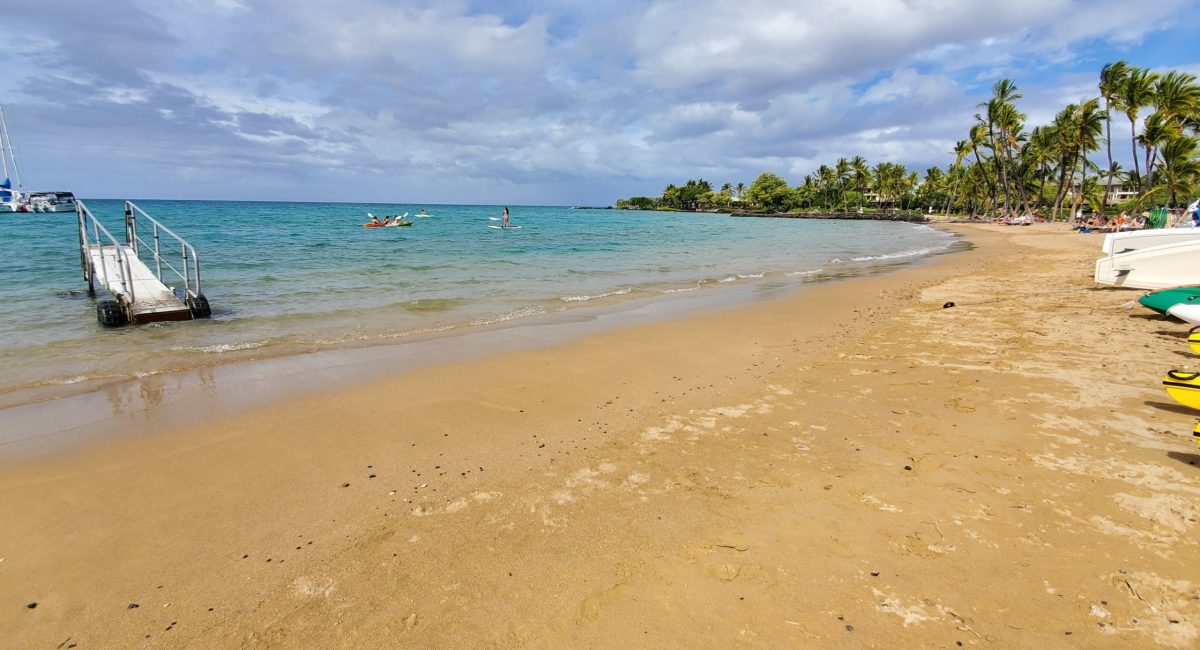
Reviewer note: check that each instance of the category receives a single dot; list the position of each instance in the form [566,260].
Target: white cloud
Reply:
[465,100]
[907,83]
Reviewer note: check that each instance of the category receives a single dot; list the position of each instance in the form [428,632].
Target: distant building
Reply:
[1120,191]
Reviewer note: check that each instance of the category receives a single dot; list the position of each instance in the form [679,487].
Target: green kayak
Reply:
[1162,300]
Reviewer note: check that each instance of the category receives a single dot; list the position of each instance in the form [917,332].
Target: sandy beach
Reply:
[851,466]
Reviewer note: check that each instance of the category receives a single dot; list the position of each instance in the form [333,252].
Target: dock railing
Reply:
[178,250]
[92,233]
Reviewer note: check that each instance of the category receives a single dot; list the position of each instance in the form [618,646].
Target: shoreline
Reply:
[22,407]
[910,217]
[851,465]
[250,339]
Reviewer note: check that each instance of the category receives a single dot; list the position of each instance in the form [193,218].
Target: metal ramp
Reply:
[139,293]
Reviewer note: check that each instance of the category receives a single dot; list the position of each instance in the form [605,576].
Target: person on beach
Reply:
[505,216]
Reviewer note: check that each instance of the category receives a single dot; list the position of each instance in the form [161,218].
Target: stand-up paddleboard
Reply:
[503,228]
[495,218]
[1183,387]
[1163,299]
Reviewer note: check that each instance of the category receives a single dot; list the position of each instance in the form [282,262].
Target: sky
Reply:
[531,103]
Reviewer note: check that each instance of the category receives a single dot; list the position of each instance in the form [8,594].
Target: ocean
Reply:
[290,278]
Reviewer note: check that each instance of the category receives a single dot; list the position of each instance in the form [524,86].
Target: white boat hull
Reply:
[1118,243]
[1159,267]
[61,207]
[1187,312]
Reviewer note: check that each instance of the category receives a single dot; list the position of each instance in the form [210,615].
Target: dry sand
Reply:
[853,466]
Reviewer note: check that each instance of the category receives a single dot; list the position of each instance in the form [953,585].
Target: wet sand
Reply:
[852,466]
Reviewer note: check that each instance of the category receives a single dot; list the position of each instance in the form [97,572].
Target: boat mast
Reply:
[12,154]
[3,144]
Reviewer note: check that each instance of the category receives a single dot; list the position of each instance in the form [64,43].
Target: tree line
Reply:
[1004,166]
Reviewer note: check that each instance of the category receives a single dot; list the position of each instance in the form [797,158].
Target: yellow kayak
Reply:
[1194,342]
[1183,387]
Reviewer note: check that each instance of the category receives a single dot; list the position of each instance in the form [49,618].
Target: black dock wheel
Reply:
[109,313]
[199,306]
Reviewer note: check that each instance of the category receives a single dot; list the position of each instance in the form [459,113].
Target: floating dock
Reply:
[122,268]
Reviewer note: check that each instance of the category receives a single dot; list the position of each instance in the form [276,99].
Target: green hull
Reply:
[1161,301]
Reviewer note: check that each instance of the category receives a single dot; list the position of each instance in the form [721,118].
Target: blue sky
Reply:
[528,102]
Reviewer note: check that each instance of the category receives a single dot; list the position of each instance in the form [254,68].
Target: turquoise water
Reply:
[286,278]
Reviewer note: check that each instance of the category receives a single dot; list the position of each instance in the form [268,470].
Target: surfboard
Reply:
[1186,311]
[1183,387]
[1163,299]
[503,228]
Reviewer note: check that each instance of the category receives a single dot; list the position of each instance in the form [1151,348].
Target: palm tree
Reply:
[882,178]
[1177,96]
[1064,147]
[1089,122]
[1180,169]
[1156,131]
[961,149]
[932,187]
[1136,93]
[1112,79]
[1115,173]
[1038,156]
[861,177]
[975,137]
[1002,117]
[741,189]
[826,179]
[976,188]
[809,189]
[841,171]
[1010,135]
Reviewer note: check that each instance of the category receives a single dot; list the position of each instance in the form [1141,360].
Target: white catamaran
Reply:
[15,198]
[12,199]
